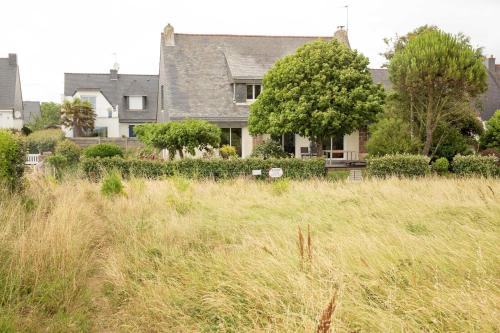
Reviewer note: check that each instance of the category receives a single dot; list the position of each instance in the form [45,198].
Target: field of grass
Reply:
[181,256]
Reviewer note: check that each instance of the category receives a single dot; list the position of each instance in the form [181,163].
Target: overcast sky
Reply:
[53,37]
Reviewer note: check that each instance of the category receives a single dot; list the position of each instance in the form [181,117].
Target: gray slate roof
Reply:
[31,110]
[116,90]
[491,99]
[10,86]
[198,71]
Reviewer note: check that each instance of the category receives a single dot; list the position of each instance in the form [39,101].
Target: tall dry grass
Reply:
[181,256]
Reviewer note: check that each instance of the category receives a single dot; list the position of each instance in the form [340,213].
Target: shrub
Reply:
[227,151]
[70,150]
[200,168]
[103,150]
[391,136]
[147,153]
[44,140]
[268,149]
[112,184]
[441,165]
[491,137]
[491,151]
[12,159]
[475,165]
[58,162]
[400,165]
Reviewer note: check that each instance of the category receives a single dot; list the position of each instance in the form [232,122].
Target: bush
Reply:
[103,150]
[391,136]
[491,151]
[491,137]
[70,150]
[227,151]
[268,149]
[112,184]
[200,168]
[58,162]
[400,165]
[441,165]
[44,140]
[12,159]
[475,165]
[147,153]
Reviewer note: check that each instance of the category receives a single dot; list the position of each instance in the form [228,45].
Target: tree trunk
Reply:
[319,148]
[428,133]
[181,153]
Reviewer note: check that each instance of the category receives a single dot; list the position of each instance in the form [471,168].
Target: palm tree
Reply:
[78,115]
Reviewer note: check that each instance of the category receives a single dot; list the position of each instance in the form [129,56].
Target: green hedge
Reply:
[44,140]
[12,158]
[199,168]
[103,150]
[400,165]
[475,165]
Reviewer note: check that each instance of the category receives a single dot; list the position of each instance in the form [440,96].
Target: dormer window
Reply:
[136,103]
[253,91]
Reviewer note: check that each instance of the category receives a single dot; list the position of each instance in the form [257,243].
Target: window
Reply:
[232,137]
[136,102]
[253,91]
[286,141]
[334,143]
[90,99]
[101,132]
[131,133]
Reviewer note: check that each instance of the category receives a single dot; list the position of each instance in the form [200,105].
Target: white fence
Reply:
[32,159]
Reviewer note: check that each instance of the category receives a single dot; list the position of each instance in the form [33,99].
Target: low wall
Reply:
[125,143]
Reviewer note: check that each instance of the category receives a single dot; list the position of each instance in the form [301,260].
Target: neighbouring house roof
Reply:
[116,90]
[10,84]
[491,99]
[31,110]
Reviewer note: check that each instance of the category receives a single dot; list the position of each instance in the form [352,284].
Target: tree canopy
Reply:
[491,137]
[436,76]
[179,136]
[50,115]
[79,115]
[324,89]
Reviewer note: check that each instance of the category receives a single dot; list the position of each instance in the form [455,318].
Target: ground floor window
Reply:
[333,143]
[100,131]
[232,137]
[131,133]
[287,142]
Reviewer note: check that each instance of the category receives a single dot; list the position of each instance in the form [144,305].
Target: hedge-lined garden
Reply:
[203,168]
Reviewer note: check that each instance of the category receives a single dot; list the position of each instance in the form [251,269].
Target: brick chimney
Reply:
[341,36]
[490,63]
[168,32]
[12,59]
[113,73]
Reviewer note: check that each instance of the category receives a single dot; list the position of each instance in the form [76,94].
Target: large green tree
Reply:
[179,136]
[78,115]
[50,115]
[436,76]
[324,89]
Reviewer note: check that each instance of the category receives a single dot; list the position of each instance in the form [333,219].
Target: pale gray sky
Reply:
[52,37]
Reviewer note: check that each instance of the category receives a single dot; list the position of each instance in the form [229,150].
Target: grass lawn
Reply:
[182,256]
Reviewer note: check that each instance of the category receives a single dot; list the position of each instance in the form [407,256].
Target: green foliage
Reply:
[491,137]
[391,136]
[44,140]
[441,165]
[324,89]
[59,163]
[202,169]
[112,184]
[227,151]
[70,150]
[103,150]
[12,159]
[179,136]
[268,149]
[78,115]
[448,142]
[398,43]
[436,76]
[280,186]
[400,165]
[147,153]
[50,115]
[475,165]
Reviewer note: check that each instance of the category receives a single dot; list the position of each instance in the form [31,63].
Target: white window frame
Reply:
[130,104]
[253,91]
[86,97]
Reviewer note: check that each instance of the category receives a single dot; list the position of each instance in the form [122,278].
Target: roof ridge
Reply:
[245,35]
[108,74]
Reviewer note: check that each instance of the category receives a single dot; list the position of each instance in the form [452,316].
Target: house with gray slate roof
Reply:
[11,98]
[217,77]
[121,101]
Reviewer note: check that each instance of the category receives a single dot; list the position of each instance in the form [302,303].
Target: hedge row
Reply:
[476,165]
[200,168]
[399,165]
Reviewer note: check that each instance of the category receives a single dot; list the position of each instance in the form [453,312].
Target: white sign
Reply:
[256,172]
[275,172]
